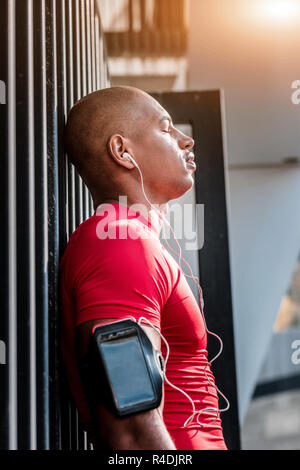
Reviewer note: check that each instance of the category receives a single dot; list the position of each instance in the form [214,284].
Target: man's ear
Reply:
[117,145]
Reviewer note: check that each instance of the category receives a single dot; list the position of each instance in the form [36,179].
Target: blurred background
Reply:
[52,52]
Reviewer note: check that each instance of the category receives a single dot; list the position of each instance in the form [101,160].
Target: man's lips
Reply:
[190,157]
[191,164]
[190,161]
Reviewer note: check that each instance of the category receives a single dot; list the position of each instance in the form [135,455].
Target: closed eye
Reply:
[168,130]
[168,121]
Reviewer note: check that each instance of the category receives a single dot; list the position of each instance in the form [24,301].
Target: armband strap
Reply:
[122,370]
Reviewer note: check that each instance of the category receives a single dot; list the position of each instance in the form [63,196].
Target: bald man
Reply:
[109,278]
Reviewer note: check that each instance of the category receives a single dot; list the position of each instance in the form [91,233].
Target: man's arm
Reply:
[142,431]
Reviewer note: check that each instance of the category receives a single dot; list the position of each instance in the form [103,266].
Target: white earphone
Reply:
[196,281]
[126,154]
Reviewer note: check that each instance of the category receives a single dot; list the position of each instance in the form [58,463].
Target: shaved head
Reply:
[105,124]
[93,120]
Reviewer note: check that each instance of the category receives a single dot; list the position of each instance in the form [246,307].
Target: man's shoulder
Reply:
[102,237]
[125,231]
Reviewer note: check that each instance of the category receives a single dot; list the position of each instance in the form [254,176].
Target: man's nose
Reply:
[186,142]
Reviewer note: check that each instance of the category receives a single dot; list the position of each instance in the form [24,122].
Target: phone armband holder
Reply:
[122,370]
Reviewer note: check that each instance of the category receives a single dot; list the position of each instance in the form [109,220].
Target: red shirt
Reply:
[130,273]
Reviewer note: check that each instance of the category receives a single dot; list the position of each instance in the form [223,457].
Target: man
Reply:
[113,278]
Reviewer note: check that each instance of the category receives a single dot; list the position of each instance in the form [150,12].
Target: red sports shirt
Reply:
[115,266]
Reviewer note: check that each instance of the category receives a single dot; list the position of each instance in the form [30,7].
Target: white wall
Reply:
[264,246]
[253,59]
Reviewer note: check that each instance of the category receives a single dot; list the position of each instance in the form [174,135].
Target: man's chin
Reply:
[189,183]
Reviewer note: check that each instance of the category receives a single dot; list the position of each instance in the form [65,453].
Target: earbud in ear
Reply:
[126,154]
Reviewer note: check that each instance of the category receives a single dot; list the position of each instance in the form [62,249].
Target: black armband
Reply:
[122,370]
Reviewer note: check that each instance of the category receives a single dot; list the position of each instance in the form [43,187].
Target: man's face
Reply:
[162,152]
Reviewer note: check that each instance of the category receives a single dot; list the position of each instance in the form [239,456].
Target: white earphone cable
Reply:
[196,281]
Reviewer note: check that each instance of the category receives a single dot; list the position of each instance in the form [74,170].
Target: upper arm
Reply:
[84,331]
[122,278]
[107,424]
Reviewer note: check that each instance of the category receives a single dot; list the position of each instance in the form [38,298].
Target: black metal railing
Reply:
[145,27]
[51,54]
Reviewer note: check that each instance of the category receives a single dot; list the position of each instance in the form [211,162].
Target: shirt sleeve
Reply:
[123,278]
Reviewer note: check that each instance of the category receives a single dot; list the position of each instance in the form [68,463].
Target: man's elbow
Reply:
[142,431]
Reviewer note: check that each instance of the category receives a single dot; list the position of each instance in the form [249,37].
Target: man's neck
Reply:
[150,213]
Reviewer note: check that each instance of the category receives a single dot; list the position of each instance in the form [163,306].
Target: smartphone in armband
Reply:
[122,370]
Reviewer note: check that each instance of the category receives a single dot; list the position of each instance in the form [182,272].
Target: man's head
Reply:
[105,124]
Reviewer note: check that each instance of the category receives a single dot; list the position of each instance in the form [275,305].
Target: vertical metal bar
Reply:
[88,72]
[63,186]
[53,212]
[12,230]
[23,242]
[70,51]
[45,223]
[62,18]
[65,107]
[84,88]
[31,228]
[93,40]
[78,94]
[41,211]
[4,239]
[70,86]
[80,81]
[98,39]
[93,70]
[101,61]
[83,49]
[88,47]
[77,50]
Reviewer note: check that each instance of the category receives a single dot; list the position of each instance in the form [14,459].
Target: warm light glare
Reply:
[279,10]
